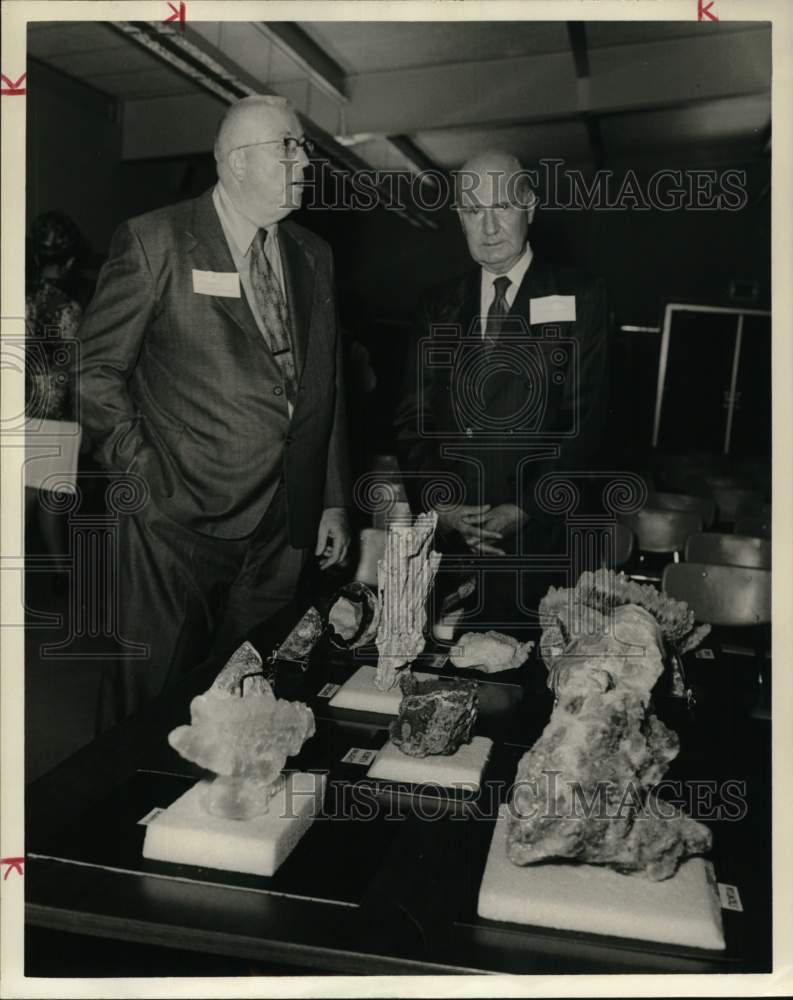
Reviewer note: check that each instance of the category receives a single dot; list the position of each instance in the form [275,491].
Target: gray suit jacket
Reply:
[181,388]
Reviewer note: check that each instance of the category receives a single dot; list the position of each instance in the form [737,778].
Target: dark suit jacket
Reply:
[182,389]
[500,421]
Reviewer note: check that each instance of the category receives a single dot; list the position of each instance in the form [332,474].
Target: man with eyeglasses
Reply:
[210,380]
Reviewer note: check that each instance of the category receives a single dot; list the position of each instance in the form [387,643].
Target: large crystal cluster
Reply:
[242,732]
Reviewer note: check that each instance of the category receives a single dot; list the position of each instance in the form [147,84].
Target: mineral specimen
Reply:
[583,791]
[302,639]
[345,617]
[585,608]
[434,717]
[354,616]
[242,732]
[404,579]
[490,652]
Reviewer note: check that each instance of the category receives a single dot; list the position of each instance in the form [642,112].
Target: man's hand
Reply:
[333,537]
[506,519]
[468,521]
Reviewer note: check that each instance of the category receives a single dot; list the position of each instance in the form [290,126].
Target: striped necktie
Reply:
[272,309]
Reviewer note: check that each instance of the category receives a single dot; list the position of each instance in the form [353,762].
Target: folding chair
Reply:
[731,495]
[721,595]
[660,533]
[685,501]
[730,500]
[623,547]
[728,550]
[736,597]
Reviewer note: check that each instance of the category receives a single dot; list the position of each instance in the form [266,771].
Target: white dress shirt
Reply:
[515,275]
[239,231]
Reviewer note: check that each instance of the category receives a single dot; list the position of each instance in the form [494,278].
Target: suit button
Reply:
[469,432]
[278,391]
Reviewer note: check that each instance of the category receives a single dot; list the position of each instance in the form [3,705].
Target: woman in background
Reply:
[51,317]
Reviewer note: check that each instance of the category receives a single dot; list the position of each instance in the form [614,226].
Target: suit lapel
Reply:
[470,305]
[210,252]
[299,265]
[537,281]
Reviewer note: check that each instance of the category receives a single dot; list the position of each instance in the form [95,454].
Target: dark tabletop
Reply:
[386,880]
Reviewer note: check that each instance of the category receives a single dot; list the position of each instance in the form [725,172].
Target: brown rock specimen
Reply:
[434,718]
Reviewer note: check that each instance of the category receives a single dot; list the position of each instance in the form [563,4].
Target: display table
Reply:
[386,882]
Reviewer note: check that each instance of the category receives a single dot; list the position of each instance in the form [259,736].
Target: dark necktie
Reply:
[498,309]
[272,308]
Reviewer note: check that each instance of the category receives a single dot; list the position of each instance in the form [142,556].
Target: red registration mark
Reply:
[14,865]
[14,88]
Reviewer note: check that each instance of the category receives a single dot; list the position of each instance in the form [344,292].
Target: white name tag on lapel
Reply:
[552,309]
[223,283]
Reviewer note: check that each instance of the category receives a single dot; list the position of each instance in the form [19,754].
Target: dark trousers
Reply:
[183,596]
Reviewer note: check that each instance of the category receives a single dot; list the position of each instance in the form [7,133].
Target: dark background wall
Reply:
[648,258]
[73,153]
[383,264]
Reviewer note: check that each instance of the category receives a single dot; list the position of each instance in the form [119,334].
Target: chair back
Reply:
[622,548]
[731,500]
[728,550]
[685,501]
[721,595]
[732,495]
[659,530]
[757,527]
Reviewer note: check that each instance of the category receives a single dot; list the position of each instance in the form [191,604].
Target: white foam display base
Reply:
[359,693]
[682,910]
[185,834]
[459,770]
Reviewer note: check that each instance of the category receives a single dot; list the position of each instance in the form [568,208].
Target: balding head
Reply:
[245,119]
[494,176]
[496,206]
[252,164]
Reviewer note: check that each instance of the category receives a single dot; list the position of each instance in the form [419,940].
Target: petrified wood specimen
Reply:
[583,791]
[404,579]
[434,718]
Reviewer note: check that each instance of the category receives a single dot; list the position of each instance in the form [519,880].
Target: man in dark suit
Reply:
[210,371]
[505,383]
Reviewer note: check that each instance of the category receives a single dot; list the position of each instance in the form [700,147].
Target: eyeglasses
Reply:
[290,144]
